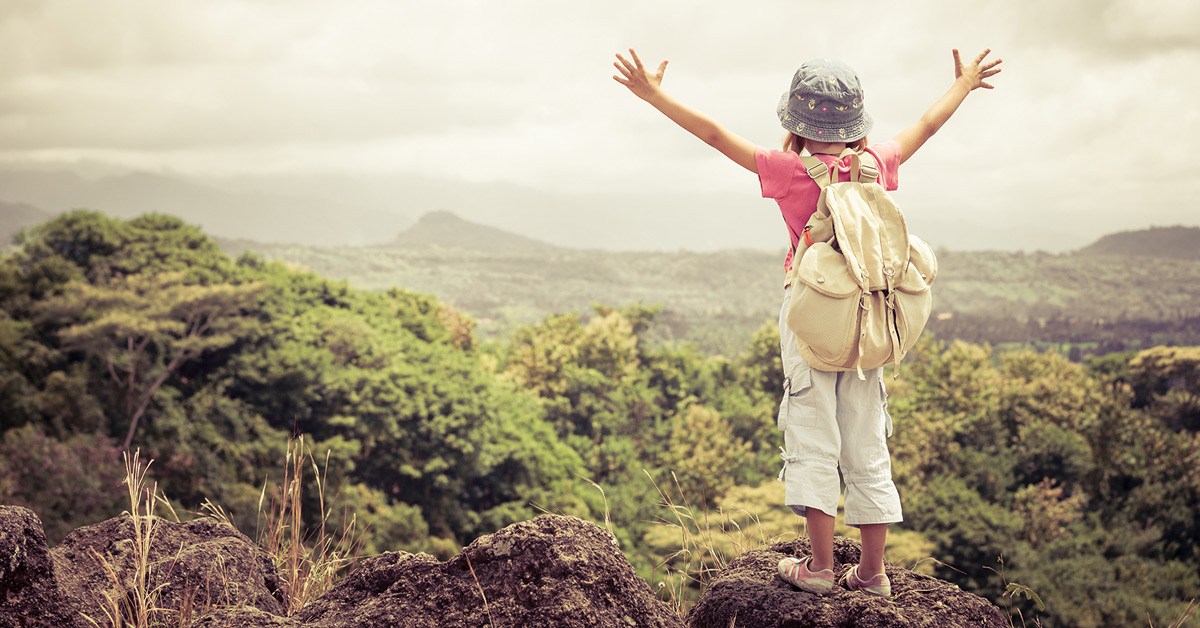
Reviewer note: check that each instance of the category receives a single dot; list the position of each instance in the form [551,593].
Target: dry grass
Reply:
[486,608]
[1184,616]
[308,560]
[1011,591]
[133,601]
[706,544]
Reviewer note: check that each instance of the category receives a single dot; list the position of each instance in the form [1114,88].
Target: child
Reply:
[832,421]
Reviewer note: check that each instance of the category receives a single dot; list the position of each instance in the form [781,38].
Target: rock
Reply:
[198,565]
[29,593]
[243,617]
[749,592]
[552,571]
[549,571]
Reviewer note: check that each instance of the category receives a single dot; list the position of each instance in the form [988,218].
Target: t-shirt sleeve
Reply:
[775,170]
[888,156]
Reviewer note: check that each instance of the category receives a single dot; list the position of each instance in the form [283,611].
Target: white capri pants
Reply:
[831,422]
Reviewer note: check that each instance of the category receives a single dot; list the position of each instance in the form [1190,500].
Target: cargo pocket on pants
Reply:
[796,406]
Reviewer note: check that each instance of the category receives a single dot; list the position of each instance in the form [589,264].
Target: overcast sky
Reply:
[1089,130]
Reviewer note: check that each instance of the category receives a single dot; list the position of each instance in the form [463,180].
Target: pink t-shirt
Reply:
[784,179]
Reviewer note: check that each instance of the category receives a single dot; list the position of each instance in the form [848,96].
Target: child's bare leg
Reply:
[820,538]
[874,537]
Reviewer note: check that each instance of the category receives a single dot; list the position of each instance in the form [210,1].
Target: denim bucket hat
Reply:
[825,103]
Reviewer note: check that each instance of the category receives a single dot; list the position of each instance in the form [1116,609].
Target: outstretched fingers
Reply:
[629,68]
[633,74]
[976,71]
[988,71]
[637,60]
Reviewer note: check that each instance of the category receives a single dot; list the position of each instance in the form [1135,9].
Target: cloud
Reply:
[1108,30]
[520,91]
[171,75]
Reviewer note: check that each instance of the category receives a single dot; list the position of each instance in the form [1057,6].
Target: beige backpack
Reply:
[860,288]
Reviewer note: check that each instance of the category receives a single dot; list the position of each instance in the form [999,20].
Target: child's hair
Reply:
[795,143]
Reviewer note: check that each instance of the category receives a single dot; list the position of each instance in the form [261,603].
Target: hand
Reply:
[637,78]
[974,73]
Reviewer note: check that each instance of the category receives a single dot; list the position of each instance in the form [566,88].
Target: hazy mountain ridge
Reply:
[272,217]
[717,299]
[17,216]
[1176,241]
[444,229]
[342,209]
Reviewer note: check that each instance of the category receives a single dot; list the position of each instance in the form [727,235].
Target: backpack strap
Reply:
[818,171]
[863,168]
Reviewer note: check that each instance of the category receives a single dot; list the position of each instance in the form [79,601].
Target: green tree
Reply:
[1166,381]
[969,533]
[143,329]
[703,450]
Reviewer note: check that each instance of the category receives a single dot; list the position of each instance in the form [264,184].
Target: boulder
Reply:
[749,592]
[196,566]
[243,617]
[29,593]
[549,571]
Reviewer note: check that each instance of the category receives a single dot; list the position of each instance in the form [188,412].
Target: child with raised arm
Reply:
[832,421]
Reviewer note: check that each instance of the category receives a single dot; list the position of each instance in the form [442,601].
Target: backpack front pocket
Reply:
[824,310]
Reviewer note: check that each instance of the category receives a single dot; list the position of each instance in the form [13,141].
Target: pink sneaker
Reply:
[795,571]
[880,585]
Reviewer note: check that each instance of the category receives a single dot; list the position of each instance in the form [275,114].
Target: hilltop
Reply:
[446,230]
[1177,242]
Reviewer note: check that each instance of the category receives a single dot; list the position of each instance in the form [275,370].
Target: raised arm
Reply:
[966,79]
[648,87]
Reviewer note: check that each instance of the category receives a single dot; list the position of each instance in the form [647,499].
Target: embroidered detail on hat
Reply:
[842,133]
[820,132]
[824,107]
[812,103]
[840,107]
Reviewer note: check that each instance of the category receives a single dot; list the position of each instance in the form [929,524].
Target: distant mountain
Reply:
[332,209]
[446,230]
[1175,242]
[272,216]
[16,216]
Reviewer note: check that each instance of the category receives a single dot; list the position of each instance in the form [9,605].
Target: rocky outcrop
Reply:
[750,593]
[194,566]
[244,617]
[202,563]
[29,592]
[549,571]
